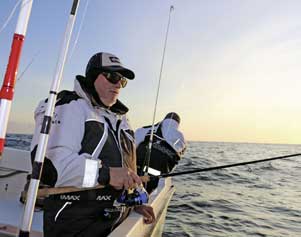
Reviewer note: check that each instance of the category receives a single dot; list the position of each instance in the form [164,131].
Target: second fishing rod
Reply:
[199,170]
[51,191]
[145,163]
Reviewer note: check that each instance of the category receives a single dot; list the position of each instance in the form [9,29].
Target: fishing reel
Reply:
[134,197]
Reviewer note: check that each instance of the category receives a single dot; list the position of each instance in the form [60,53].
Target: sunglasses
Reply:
[115,77]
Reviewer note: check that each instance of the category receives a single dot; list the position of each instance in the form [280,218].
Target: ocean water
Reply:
[256,200]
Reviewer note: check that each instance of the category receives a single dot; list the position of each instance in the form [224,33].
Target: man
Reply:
[90,143]
[167,148]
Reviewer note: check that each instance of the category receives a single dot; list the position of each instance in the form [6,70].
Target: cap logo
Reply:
[114,60]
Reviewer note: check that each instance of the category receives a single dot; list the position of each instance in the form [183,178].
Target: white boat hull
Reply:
[11,210]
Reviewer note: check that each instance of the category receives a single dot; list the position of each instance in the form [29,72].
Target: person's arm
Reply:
[66,162]
[179,143]
[147,212]
[66,134]
[173,136]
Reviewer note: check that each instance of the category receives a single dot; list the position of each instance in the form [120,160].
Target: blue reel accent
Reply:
[138,197]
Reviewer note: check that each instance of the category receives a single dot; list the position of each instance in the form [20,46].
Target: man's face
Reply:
[108,92]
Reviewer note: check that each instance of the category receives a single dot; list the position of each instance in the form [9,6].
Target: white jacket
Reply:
[82,138]
[170,134]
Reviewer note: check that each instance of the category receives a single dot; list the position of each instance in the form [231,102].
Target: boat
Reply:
[15,165]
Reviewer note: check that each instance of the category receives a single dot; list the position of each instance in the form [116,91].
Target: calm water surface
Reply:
[255,200]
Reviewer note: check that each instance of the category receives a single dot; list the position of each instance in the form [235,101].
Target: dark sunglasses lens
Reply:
[123,82]
[114,78]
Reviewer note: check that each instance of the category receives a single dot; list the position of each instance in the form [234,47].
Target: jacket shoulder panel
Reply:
[65,97]
[94,137]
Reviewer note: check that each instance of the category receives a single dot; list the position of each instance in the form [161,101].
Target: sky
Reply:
[232,68]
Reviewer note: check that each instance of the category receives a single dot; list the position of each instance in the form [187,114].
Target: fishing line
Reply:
[79,30]
[28,65]
[223,166]
[10,16]
[148,152]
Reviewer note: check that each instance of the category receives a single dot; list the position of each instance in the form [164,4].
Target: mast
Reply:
[7,90]
[45,129]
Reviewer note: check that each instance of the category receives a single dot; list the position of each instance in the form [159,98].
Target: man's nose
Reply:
[118,84]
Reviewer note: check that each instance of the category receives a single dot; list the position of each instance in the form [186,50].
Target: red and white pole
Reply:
[7,90]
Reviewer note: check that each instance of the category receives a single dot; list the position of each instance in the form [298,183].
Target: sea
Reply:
[262,199]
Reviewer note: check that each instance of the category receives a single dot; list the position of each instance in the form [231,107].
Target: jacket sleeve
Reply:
[176,140]
[64,144]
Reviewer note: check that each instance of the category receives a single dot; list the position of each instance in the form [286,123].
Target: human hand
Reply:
[147,212]
[121,177]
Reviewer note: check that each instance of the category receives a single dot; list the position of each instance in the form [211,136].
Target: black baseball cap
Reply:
[106,62]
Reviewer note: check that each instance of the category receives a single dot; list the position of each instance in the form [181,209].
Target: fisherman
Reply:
[168,147]
[90,143]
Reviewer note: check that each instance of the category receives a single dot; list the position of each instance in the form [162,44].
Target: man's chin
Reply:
[111,103]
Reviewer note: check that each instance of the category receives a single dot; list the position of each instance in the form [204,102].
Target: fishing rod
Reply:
[7,90]
[79,30]
[54,191]
[223,166]
[45,192]
[45,128]
[148,151]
